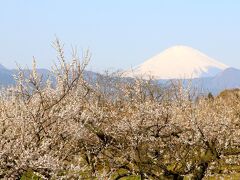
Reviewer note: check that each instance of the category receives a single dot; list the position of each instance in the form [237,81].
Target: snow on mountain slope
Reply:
[178,62]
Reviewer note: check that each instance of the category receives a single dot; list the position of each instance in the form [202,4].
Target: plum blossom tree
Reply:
[111,128]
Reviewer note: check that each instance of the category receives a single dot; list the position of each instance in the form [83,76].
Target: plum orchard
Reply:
[110,128]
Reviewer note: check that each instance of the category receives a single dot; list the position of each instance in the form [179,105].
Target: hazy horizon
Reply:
[119,34]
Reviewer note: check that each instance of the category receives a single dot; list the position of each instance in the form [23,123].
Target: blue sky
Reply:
[120,34]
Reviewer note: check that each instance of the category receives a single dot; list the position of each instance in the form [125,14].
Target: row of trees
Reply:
[110,128]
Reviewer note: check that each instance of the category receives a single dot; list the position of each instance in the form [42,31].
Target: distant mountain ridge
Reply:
[227,79]
[7,75]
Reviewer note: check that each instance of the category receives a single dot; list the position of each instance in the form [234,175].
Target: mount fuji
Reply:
[178,62]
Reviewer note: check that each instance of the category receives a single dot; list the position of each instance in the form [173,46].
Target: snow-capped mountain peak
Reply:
[178,62]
